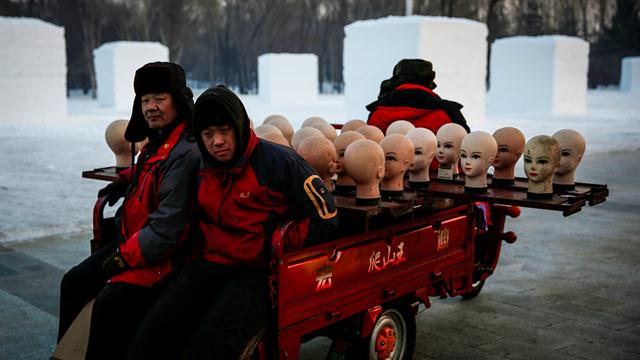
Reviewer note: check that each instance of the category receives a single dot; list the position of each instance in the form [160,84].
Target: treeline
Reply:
[218,41]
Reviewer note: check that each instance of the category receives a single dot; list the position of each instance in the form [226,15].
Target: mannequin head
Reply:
[327,130]
[372,133]
[313,120]
[270,118]
[266,129]
[340,143]
[541,159]
[400,127]
[285,127]
[276,138]
[477,151]
[354,124]
[510,146]
[398,155]
[424,143]
[321,155]
[448,148]
[364,162]
[302,134]
[572,146]
[114,136]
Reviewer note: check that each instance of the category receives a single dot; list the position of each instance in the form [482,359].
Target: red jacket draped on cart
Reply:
[157,207]
[265,185]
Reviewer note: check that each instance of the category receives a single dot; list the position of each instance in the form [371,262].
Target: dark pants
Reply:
[211,311]
[117,311]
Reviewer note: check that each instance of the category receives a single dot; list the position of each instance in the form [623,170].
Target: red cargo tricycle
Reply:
[364,287]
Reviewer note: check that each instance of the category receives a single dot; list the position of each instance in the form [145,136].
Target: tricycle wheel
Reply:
[393,336]
[475,290]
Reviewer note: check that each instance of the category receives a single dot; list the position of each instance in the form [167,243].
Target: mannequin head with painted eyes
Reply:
[510,147]
[398,153]
[541,159]
[364,162]
[424,143]
[477,151]
[572,146]
[448,149]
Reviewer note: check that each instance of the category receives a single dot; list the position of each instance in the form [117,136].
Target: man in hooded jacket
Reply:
[127,275]
[246,187]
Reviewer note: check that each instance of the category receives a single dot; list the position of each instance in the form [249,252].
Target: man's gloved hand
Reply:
[114,265]
[114,191]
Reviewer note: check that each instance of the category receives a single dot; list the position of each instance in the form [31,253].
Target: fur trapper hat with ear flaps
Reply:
[410,71]
[157,77]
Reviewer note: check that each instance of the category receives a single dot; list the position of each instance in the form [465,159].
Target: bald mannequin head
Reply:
[510,147]
[364,162]
[372,133]
[320,153]
[541,159]
[284,126]
[398,152]
[340,143]
[400,127]
[266,129]
[270,118]
[572,147]
[327,130]
[302,134]
[424,144]
[276,138]
[354,124]
[477,151]
[313,120]
[114,136]
[448,149]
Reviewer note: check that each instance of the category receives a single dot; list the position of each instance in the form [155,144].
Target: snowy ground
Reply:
[41,160]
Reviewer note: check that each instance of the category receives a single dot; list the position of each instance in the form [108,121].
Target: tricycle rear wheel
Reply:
[393,336]
[476,287]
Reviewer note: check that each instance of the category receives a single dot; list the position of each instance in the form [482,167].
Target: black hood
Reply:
[221,106]
[158,77]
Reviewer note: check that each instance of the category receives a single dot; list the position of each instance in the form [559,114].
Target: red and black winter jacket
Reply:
[157,208]
[242,205]
[417,104]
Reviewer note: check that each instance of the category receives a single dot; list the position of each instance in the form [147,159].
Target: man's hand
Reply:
[114,265]
[114,191]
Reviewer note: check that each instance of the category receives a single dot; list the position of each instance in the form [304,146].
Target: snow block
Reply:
[630,75]
[539,74]
[288,78]
[33,70]
[456,47]
[116,64]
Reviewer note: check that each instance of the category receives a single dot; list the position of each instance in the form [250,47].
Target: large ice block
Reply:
[116,64]
[288,78]
[456,47]
[539,74]
[33,70]
[630,75]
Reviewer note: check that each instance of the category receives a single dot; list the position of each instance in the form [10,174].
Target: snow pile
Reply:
[630,75]
[456,47]
[539,74]
[33,70]
[288,78]
[116,64]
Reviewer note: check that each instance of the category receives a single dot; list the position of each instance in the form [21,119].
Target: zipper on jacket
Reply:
[225,176]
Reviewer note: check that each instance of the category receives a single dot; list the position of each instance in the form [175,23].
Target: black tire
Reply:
[397,324]
[476,287]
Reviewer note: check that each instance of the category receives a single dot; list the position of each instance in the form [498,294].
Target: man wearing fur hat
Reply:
[247,187]
[127,275]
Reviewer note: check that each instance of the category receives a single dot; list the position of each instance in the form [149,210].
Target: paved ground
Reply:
[569,288]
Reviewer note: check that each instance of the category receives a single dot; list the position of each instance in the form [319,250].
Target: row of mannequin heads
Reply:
[365,158]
